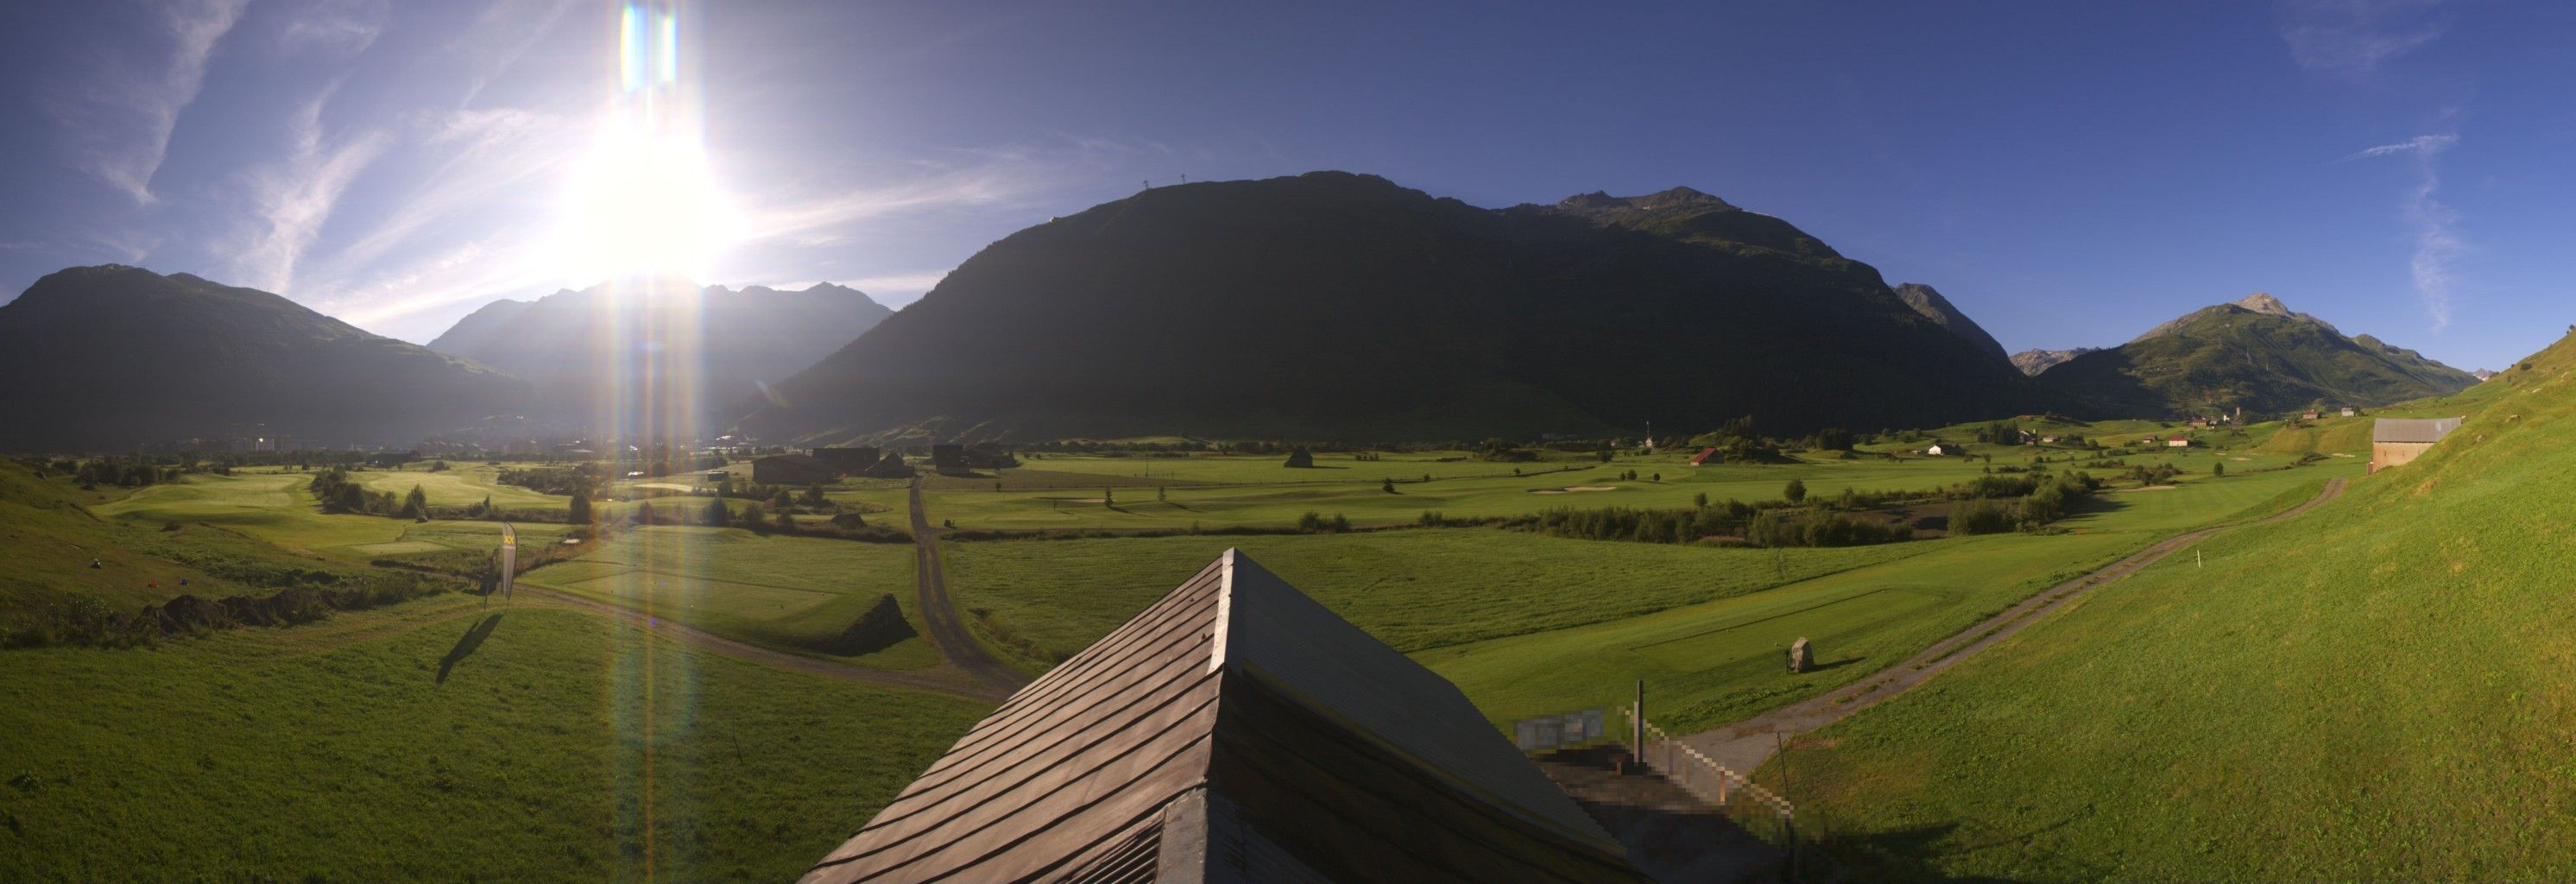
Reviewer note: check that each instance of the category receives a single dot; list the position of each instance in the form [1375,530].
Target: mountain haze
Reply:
[2254,353]
[1342,305]
[574,345]
[113,356]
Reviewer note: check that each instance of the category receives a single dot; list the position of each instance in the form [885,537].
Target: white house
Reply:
[1934,451]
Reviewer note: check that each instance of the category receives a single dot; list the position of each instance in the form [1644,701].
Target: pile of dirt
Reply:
[186,613]
[878,629]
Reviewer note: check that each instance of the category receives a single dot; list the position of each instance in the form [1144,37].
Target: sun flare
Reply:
[645,198]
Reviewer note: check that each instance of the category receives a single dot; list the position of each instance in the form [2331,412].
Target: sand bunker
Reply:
[665,486]
[2150,488]
[2242,459]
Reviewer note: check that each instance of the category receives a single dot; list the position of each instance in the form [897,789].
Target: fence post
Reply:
[1637,725]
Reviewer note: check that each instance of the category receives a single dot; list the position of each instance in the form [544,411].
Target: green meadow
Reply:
[441,740]
[1529,624]
[787,593]
[1288,494]
[2377,690]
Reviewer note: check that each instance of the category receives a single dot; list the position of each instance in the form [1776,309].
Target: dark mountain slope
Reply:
[113,356]
[1927,301]
[574,345]
[1333,304]
[2254,354]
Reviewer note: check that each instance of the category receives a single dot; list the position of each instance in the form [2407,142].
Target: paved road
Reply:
[946,680]
[1744,745]
[941,613]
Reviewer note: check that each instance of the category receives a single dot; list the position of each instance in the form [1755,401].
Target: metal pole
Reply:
[1637,724]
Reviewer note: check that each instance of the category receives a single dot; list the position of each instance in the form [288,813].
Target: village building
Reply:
[1937,451]
[852,459]
[948,458]
[1707,456]
[2311,415]
[2178,442]
[2349,411]
[890,467]
[2397,441]
[792,469]
[1234,731]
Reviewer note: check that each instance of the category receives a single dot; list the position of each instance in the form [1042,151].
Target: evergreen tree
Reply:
[578,512]
[716,513]
[415,504]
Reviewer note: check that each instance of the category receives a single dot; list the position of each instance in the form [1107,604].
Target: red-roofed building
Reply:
[1707,456]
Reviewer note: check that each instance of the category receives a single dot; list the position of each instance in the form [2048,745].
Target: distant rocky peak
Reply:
[2263,302]
[1678,198]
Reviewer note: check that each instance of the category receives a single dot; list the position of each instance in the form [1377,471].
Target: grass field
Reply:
[975,504]
[2378,690]
[789,593]
[1528,624]
[462,484]
[561,747]
[1412,589]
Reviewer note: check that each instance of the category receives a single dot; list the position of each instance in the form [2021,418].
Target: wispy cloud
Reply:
[294,196]
[2426,145]
[120,113]
[341,27]
[2437,238]
[2356,36]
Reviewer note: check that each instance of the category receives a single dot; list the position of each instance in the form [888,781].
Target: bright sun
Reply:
[645,198]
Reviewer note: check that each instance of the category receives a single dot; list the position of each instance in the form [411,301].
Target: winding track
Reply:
[1744,745]
[943,680]
[941,612]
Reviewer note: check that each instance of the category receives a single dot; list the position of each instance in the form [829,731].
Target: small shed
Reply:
[2397,441]
[1936,451]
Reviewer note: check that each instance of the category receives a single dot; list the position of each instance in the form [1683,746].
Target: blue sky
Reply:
[2069,174]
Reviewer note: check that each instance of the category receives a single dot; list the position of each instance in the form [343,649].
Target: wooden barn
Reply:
[792,469]
[1235,731]
[2395,441]
[853,459]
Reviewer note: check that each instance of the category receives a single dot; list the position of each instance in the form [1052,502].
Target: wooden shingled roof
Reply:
[1233,731]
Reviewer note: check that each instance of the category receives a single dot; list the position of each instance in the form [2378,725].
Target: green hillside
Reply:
[2378,690]
[2253,354]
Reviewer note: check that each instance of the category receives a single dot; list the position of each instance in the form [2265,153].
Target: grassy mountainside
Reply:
[112,356]
[575,345]
[1333,304]
[2253,354]
[2378,690]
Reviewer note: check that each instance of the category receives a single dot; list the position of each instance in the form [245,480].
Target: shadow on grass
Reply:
[467,644]
[1838,664]
[1918,854]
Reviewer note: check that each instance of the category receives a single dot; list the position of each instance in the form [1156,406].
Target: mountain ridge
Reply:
[1334,304]
[2254,353]
[112,355]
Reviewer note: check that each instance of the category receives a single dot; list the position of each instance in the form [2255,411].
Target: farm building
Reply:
[2311,415]
[948,458]
[2349,411]
[2177,442]
[1939,451]
[854,459]
[2395,441]
[1707,456]
[792,469]
[891,467]
[1234,731]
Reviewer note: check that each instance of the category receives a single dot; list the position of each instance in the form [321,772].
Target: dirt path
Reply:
[945,679]
[941,613]
[1744,745]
